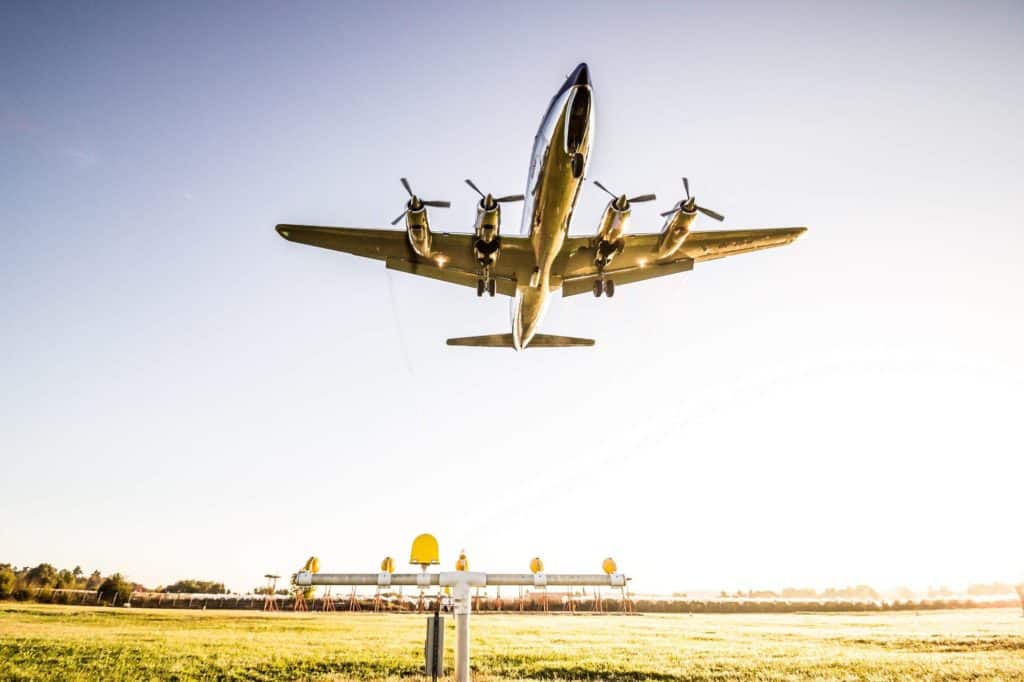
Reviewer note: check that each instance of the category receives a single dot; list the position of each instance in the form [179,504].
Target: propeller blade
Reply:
[437,204]
[405,184]
[711,214]
[642,197]
[475,188]
[668,213]
[686,186]
[510,197]
[400,216]
[613,196]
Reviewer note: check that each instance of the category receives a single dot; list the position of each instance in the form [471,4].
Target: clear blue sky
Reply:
[185,394]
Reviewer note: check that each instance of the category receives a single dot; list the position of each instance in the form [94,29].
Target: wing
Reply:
[452,258]
[638,259]
[703,246]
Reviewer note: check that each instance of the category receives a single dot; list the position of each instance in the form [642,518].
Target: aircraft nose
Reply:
[580,75]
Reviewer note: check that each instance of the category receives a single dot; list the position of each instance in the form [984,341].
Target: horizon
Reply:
[188,394]
[974,589]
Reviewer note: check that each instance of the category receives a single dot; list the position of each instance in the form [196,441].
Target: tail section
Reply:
[505,341]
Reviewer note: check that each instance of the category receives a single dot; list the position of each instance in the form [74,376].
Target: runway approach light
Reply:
[424,551]
[312,565]
[609,566]
[387,565]
[460,583]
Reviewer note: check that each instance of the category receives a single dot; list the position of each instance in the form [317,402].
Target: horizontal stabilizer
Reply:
[505,341]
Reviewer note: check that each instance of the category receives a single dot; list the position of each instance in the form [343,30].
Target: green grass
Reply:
[44,642]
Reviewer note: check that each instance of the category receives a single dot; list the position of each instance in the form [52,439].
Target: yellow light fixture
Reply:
[312,565]
[387,565]
[424,551]
[462,563]
[609,566]
[536,565]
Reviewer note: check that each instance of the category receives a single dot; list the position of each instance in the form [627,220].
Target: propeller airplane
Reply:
[544,259]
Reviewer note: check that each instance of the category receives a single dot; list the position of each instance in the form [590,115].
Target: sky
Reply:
[186,394]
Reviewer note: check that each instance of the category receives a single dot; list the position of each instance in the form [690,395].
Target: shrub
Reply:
[7,581]
[115,589]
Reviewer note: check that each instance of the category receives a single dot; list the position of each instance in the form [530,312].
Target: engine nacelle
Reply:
[418,228]
[613,222]
[675,232]
[488,233]
[610,230]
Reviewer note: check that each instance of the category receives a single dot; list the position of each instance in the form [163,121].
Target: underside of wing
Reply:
[636,262]
[368,243]
[703,246]
[452,258]
[638,258]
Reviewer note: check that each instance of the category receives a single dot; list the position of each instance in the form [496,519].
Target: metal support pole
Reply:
[462,603]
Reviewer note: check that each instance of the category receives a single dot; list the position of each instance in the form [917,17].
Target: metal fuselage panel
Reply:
[561,152]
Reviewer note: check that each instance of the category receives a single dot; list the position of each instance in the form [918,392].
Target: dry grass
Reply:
[43,642]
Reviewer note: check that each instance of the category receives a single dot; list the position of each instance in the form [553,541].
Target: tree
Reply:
[116,588]
[65,579]
[196,587]
[989,590]
[94,581]
[903,592]
[43,575]
[7,581]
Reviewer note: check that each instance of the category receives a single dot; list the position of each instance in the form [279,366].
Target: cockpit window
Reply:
[579,117]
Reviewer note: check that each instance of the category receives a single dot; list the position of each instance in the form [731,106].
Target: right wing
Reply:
[452,258]
[638,259]
[703,246]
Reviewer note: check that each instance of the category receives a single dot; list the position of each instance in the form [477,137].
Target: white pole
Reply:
[461,605]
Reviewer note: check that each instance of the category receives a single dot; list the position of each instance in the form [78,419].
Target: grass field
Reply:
[40,642]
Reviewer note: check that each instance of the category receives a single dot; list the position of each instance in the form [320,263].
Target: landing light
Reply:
[441,260]
[643,262]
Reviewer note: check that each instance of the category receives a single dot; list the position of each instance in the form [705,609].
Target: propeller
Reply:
[691,204]
[621,202]
[415,203]
[489,201]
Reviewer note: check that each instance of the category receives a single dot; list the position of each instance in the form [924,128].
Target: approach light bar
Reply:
[452,578]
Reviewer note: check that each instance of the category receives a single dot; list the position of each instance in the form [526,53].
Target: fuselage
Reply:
[561,152]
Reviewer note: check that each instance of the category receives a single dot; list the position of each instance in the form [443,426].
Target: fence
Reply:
[533,601]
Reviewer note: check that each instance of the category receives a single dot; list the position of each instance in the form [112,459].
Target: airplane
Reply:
[544,259]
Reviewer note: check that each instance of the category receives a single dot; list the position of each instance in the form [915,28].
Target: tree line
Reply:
[868,593]
[42,582]
[28,582]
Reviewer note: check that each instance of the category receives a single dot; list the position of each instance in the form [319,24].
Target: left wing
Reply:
[638,259]
[452,259]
